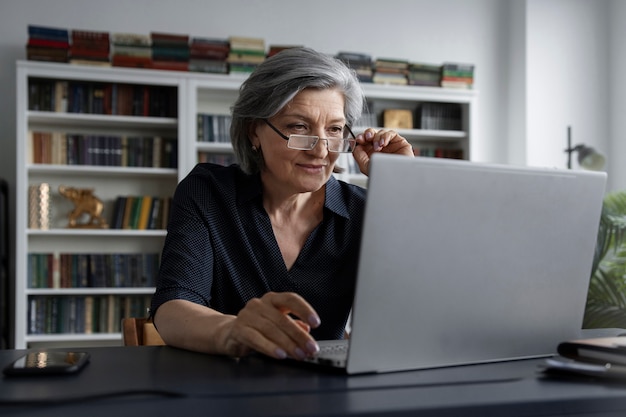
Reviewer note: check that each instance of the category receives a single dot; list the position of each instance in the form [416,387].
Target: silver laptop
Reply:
[467,262]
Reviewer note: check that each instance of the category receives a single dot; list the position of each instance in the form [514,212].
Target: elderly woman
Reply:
[262,256]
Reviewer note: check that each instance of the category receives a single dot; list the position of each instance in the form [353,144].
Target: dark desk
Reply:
[155,381]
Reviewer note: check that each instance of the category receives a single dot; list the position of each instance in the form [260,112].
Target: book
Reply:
[247,43]
[163,38]
[95,36]
[48,43]
[381,77]
[47,32]
[599,349]
[391,64]
[144,212]
[37,53]
[128,208]
[132,39]
[274,49]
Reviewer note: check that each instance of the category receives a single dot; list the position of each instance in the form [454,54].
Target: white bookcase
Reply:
[44,308]
[196,94]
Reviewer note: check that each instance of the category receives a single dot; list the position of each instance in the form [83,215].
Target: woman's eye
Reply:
[335,131]
[297,128]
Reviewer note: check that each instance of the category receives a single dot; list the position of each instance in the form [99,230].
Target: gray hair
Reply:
[275,82]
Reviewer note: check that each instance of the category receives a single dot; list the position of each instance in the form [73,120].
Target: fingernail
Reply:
[300,353]
[312,347]
[377,145]
[314,321]
[369,135]
[280,354]
[359,136]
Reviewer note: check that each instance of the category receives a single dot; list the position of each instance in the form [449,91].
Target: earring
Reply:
[254,148]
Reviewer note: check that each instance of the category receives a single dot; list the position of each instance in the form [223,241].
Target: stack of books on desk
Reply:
[47,44]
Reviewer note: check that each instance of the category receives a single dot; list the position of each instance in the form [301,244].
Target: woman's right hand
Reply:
[277,325]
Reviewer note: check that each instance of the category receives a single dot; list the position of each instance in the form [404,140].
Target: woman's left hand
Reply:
[384,140]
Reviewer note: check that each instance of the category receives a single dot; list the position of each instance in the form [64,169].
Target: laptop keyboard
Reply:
[333,348]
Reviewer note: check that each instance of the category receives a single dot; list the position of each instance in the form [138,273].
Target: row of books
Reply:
[217,158]
[141,212]
[440,116]
[428,116]
[92,270]
[235,54]
[61,45]
[83,314]
[437,152]
[156,50]
[350,166]
[214,128]
[102,98]
[60,148]
[404,72]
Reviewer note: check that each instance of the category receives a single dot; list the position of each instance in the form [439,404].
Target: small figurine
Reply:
[85,202]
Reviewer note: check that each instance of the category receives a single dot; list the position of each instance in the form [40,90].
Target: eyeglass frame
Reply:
[288,138]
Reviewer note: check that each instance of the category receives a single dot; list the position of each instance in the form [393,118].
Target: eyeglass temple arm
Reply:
[351,133]
[275,129]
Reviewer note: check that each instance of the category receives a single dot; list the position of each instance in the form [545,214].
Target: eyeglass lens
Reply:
[306,143]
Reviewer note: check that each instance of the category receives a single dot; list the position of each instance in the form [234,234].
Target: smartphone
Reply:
[48,362]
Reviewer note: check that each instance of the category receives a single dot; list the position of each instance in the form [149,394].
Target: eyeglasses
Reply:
[306,142]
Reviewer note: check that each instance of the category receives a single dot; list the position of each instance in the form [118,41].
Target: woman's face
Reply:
[316,112]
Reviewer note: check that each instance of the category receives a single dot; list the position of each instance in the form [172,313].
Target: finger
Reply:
[292,303]
[276,332]
[296,329]
[253,339]
[376,139]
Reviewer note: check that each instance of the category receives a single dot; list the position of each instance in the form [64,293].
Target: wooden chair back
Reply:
[140,331]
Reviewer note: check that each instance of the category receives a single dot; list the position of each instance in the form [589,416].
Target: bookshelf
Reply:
[73,285]
[196,95]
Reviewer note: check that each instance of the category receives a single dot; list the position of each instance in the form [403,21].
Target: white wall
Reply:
[617,95]
[567,72]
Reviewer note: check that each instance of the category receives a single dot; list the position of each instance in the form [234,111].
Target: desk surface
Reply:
[165,381]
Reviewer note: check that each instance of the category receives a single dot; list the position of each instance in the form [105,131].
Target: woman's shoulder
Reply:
[218,174]
[345,197]
[348,190]
[210,178]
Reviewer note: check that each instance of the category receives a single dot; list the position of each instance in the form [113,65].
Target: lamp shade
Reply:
[589,159]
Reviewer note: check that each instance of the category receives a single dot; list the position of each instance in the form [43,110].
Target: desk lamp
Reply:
[588,158]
